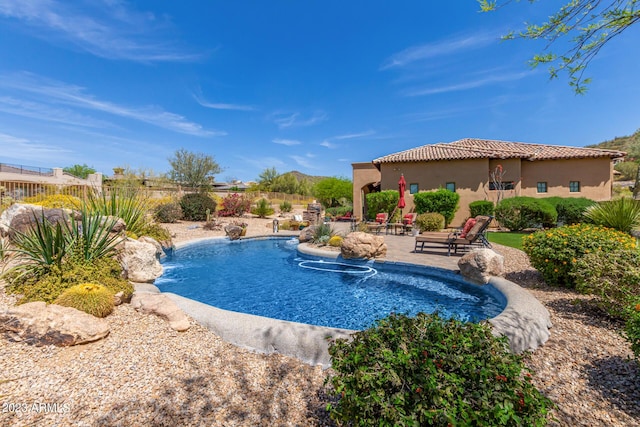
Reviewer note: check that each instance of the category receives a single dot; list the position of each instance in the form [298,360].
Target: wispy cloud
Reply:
[58,92]
[111,30]
[287,120]
[221,106]
[467,84]
[36,110]
[24,149]
[288,142]
[355,135]
[450,46]
[328,144]
[304,162]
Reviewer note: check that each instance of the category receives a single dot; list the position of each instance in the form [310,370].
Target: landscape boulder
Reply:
[306,234]
[480,264]
[139,261]
[233,231]
[363,245]
[161,306]
[154,242]
[22,217]
[40,324]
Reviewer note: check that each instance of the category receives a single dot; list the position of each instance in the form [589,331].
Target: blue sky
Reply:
[310,86]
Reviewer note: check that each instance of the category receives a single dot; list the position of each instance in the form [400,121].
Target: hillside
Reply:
[310,178]
[630,144]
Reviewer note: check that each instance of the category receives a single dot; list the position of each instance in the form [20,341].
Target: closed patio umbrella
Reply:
[402,186]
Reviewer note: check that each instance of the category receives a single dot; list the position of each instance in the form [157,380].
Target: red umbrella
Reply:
[402,186]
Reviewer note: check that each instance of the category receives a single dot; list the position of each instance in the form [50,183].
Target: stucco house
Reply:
[465,166]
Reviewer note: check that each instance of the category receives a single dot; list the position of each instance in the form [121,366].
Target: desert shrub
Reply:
[381,202]
[555,253]
[157,232]
[91,236]
[518,213]
[263,208]
[194,206]
[285,225]
[632,326]
[571,209]
[612,276]
[285,206]
[48,286]
[481,207]
[88,297]
[129,204]
[335,241]
[622,214]
[63,201]
[170,212]
[428,371]
[234,205]
[443,201]
[322,233]
[338,210]
[430,221]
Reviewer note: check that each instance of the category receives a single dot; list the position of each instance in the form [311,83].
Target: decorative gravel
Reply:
[144,373]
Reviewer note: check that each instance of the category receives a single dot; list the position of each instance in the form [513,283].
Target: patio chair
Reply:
[345,217]
[471,233]
[409,221]
[379,224]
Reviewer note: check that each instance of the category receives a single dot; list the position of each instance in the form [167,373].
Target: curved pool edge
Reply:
[524,321]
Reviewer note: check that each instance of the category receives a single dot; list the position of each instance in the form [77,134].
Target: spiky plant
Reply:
[92,235]
[622,214]
[322,233]
[126,203]
[91,298]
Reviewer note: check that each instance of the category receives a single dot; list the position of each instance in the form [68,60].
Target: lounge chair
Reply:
[471,233]
[345,217]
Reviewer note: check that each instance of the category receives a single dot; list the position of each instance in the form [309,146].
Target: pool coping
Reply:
[524,321]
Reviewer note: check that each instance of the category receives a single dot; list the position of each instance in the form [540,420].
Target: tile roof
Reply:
[470,148]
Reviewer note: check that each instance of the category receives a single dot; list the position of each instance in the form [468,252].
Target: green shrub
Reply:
[481,207]
[88,297]
[571,209]
[194,206]
[632,327]
[443,201]
[554,253]
[335,241]
[381,202]
[612,276]
[92,237]
[168,212]
[427,371]
[126,203]
[48,286]
[430,221]
[622,214]
[322,233]
[263,208]
[285,207]
[518,213]
[339,210]
[157,232]
[235,205]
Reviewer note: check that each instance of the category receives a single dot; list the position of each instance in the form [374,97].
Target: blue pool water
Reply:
[269,278]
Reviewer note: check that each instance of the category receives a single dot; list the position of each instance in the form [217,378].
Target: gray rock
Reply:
[162,307]
[233,231]
[306,234]
[139,261]
[21,218]
[363,245]
[480,264]
[40,324]
[154,242]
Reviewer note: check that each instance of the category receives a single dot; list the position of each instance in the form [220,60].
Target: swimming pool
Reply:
[270,278]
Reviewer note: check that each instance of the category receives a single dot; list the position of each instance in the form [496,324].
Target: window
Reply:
[413,188]
[542,187]
[506,185]
[451,186]
[574,186]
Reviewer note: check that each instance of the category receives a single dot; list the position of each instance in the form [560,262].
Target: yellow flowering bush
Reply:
[64,201]
[555,252]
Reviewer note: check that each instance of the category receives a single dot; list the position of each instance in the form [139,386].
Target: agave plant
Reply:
[92,235]
[322,233]
[126,203]
[622,214]
[44,245]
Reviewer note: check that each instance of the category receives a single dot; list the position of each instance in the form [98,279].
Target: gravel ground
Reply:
[144,373]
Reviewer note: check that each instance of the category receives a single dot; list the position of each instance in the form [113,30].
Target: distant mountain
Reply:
[629,144]
[300,176]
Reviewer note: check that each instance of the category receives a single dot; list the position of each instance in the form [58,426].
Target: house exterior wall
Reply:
[364,174]
[594,175]
[471,178]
